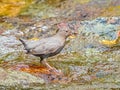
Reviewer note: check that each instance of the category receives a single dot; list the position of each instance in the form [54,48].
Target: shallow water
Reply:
[84,63]
[79,72]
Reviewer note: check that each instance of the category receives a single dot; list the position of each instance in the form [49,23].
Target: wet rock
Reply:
[79,70]
[113,20]
[91,51]
[47,75]
[16,33]
[13,78]
[9,47]
[97,26]
[3,74]
[88,77]
[100,74]
[91,33]
[87,43]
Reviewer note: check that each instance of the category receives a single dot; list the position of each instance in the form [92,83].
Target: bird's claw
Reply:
[54,70]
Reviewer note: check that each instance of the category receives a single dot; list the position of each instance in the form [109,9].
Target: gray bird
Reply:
[49,46]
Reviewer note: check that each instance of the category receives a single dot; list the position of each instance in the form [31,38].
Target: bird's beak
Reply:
[73,34]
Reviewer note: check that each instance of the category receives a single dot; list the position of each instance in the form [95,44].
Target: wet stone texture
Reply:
[84,62]
[13,78]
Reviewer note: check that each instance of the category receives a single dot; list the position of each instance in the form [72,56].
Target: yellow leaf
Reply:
[35,39]
[109,43]
[12,7]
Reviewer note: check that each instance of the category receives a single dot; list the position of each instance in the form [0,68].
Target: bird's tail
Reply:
[23,42]
[25,45]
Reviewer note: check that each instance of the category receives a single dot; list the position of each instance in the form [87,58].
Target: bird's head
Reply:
[64,30]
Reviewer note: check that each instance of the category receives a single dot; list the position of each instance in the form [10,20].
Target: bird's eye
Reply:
[66,31]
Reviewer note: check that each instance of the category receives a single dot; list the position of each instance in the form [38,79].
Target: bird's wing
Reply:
[29,44]
[33,44]
[47,47]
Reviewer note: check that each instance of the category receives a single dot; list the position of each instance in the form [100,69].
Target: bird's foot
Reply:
[54,70]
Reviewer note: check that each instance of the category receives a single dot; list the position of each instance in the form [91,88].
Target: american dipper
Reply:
[49,46]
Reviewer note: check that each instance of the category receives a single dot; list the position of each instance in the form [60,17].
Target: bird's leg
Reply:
[52,69]
[44,62]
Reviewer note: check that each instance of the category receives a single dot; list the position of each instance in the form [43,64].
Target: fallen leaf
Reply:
[109,43]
